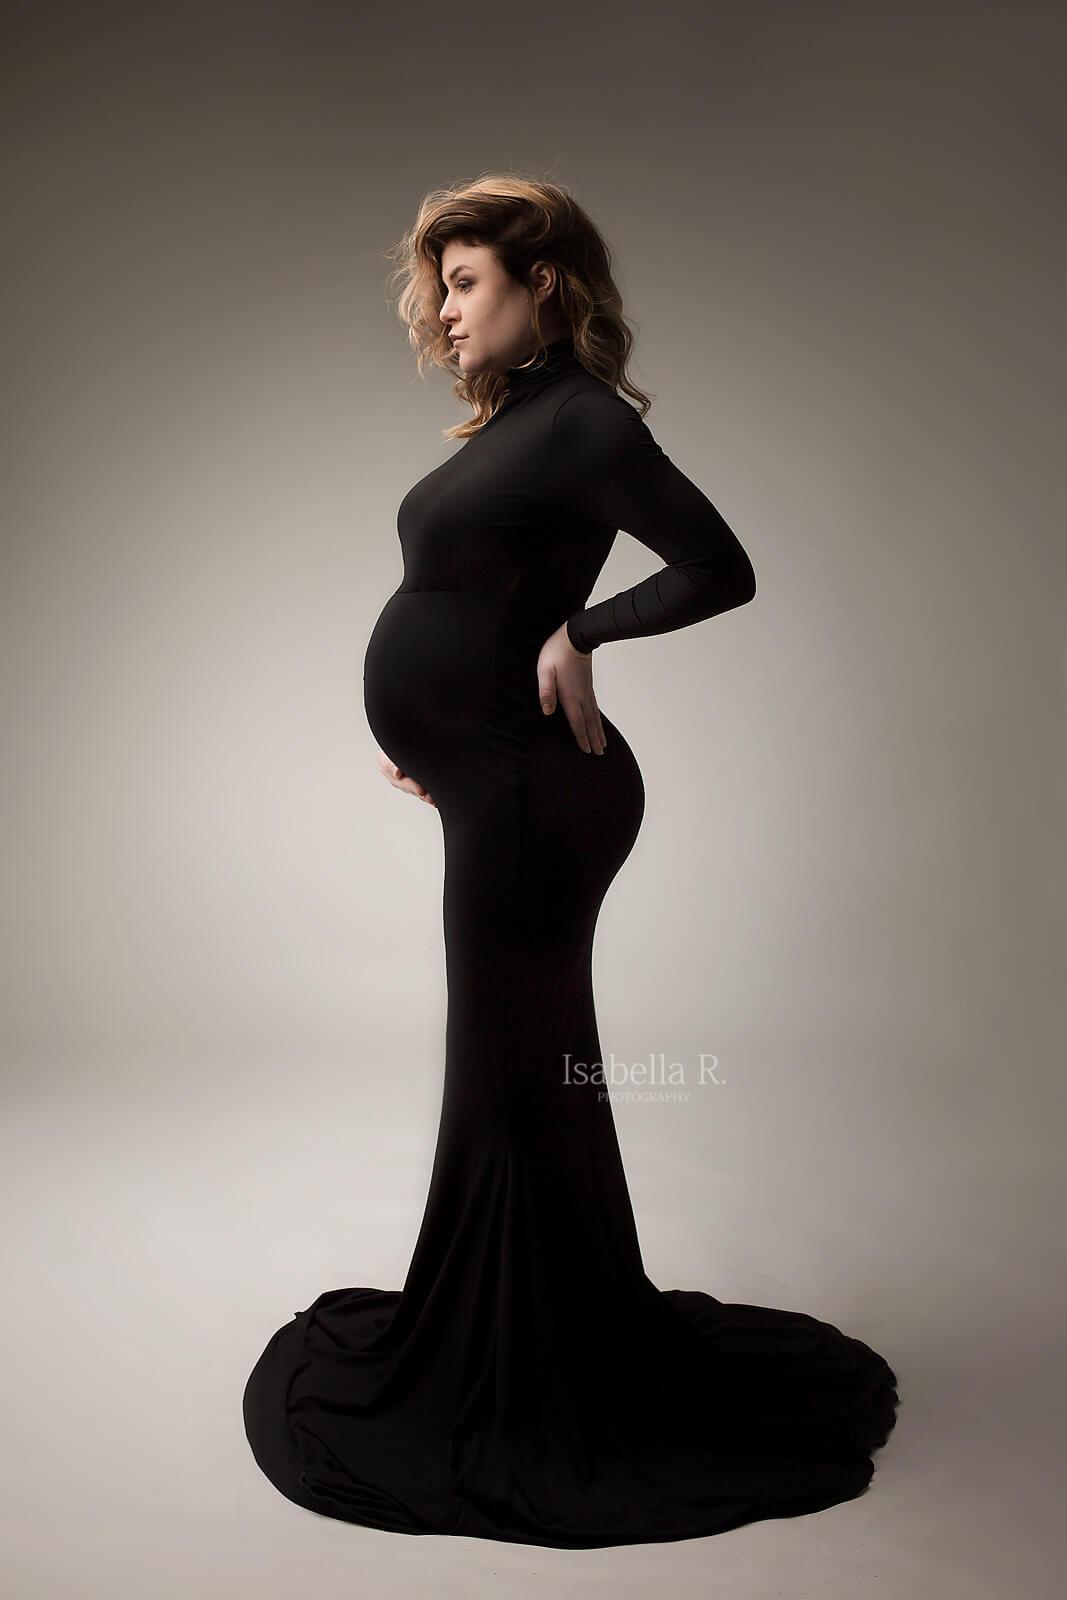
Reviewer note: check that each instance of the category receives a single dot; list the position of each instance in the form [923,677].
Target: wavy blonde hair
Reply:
[523,221]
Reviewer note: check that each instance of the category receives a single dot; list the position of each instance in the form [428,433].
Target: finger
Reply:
[413,786]
[596,725]
[546,689]
[576,718]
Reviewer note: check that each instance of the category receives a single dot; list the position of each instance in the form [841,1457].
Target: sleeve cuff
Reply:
[574,634]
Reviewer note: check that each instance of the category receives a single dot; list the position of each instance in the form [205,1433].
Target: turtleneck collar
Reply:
[559,358]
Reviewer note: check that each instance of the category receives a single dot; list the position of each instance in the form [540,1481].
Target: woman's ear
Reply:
[543,279]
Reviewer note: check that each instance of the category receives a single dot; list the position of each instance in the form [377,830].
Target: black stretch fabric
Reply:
[529,1382]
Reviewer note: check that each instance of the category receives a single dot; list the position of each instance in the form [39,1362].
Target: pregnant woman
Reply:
[529,1382]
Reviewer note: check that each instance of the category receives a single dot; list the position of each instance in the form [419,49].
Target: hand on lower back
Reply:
[565,677]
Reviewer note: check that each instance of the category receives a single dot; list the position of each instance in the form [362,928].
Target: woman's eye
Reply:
[463,283]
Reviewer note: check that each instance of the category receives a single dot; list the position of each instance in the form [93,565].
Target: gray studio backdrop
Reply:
[839,233]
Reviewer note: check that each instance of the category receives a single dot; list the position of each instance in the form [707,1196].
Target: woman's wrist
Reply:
[585,654]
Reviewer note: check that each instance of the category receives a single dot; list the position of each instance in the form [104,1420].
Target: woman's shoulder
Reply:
[591,409]
[596,392]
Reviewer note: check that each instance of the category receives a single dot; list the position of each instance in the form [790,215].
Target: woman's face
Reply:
[485,310]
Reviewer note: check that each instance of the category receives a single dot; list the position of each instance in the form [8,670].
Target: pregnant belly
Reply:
[429,674]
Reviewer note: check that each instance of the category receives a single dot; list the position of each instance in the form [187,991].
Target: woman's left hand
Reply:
[565,676]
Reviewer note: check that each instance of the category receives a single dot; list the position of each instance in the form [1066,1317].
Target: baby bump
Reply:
[429,672]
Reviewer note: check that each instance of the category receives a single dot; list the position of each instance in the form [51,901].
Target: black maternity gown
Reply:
[529,1382]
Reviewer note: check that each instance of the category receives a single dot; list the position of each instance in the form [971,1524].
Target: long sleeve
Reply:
[607,466]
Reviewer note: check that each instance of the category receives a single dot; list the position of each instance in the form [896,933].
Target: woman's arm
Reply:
[607,465]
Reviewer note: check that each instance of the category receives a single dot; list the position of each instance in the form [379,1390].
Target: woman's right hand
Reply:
[403,780]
